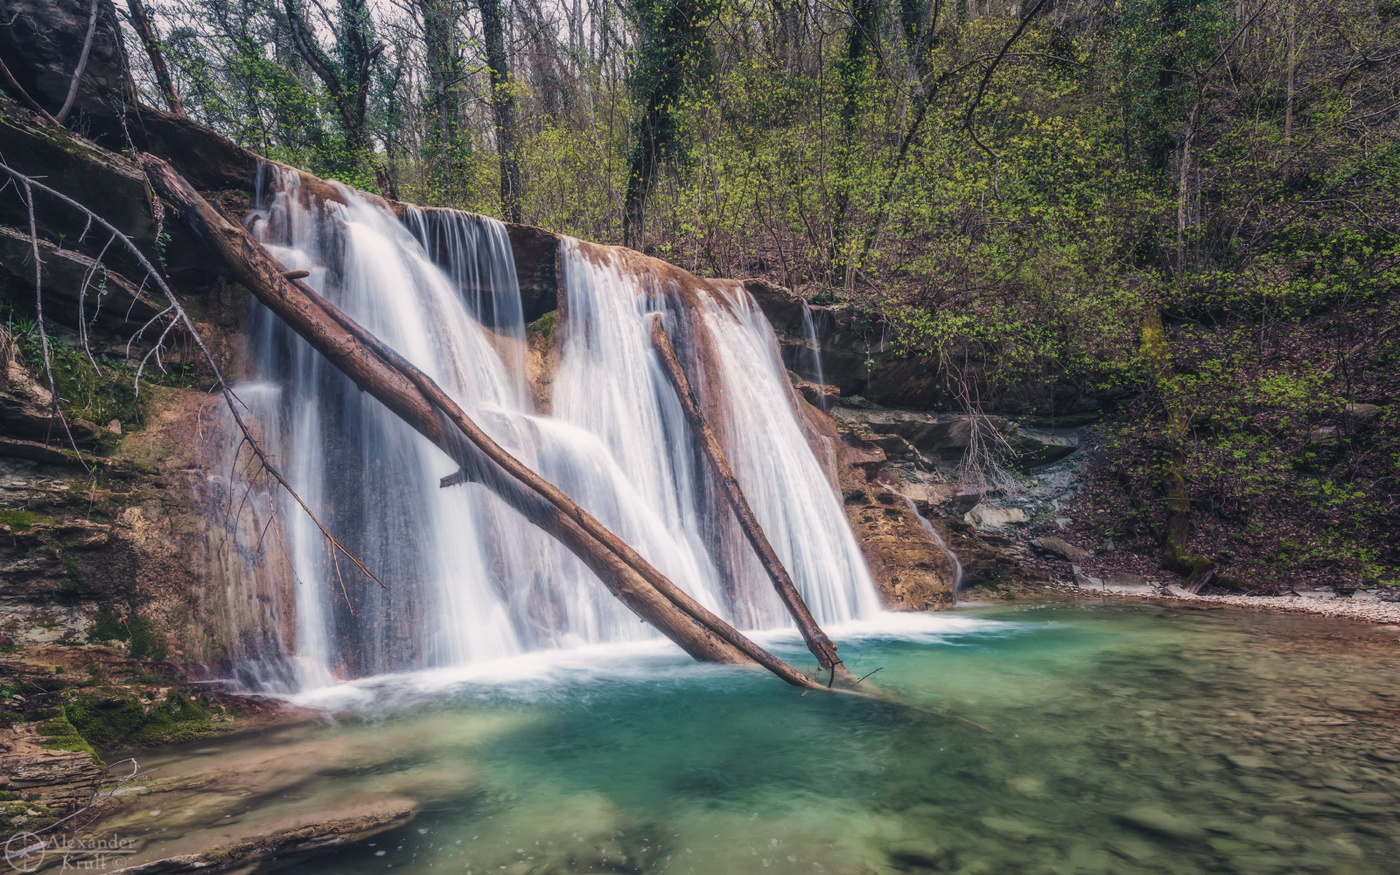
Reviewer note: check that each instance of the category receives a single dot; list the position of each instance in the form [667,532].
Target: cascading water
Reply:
[466,579]
[933,536]
[809,327]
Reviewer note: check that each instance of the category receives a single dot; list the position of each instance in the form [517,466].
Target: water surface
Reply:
[1091,738]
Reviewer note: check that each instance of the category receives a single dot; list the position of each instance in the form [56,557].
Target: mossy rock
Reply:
[143,641]
[60,734]
[543,327]
[21,520]
[18,816]
[109,720]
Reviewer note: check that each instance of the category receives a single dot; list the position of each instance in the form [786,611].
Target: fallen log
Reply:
[415,398]
[821,646]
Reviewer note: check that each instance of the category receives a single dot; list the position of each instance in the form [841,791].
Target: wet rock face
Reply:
[41,43]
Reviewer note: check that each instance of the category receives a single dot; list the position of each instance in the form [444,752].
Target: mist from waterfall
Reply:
[466,579]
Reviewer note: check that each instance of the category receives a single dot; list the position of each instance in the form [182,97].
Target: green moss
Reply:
[543,327]
[178,718]
[27,815]
[74,583]
[58,733]
[105,720]
[107,627]
[143,640]
[20,520]
[146,642]
[109,720]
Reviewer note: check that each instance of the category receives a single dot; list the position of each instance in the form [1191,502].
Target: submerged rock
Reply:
[1158,822]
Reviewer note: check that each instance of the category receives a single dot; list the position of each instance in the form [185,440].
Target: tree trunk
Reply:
[1288,100]
[1183,187]
[674,42]
[1176,533]
[503,107]
[144,29]
[415,398]
[821,646]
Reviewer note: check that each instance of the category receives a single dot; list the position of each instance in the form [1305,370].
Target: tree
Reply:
[502,106]
[344,71]
[675,49]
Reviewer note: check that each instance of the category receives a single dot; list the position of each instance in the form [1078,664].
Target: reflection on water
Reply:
[1121,738]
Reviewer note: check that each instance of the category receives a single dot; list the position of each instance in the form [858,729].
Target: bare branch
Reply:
[82,66]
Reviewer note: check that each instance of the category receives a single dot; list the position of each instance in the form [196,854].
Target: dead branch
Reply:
[39,324]
[821,646]
[146,30]
[78,71]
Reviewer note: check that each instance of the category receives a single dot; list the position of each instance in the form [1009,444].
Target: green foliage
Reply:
[1164,48]
[1232,170]
[544,326]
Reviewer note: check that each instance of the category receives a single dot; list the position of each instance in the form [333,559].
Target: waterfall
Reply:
[466,579]
[933,536]
[809,327]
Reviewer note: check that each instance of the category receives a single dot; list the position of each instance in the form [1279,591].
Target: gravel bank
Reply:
[1369,611]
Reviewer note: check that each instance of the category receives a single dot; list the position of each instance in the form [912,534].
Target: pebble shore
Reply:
[1369,611]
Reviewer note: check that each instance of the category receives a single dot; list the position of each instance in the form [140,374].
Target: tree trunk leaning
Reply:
[415,398]
[821,646]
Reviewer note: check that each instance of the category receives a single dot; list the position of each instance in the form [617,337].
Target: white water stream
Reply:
[467,579]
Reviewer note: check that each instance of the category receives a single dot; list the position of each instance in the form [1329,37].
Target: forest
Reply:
[1183,211]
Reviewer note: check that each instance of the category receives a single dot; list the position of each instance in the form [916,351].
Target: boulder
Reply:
[1060,547]
[1041,446]
[41,42]
[1128,584]
[1083,581]
[992,518]
[817,394]
[1361,414]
